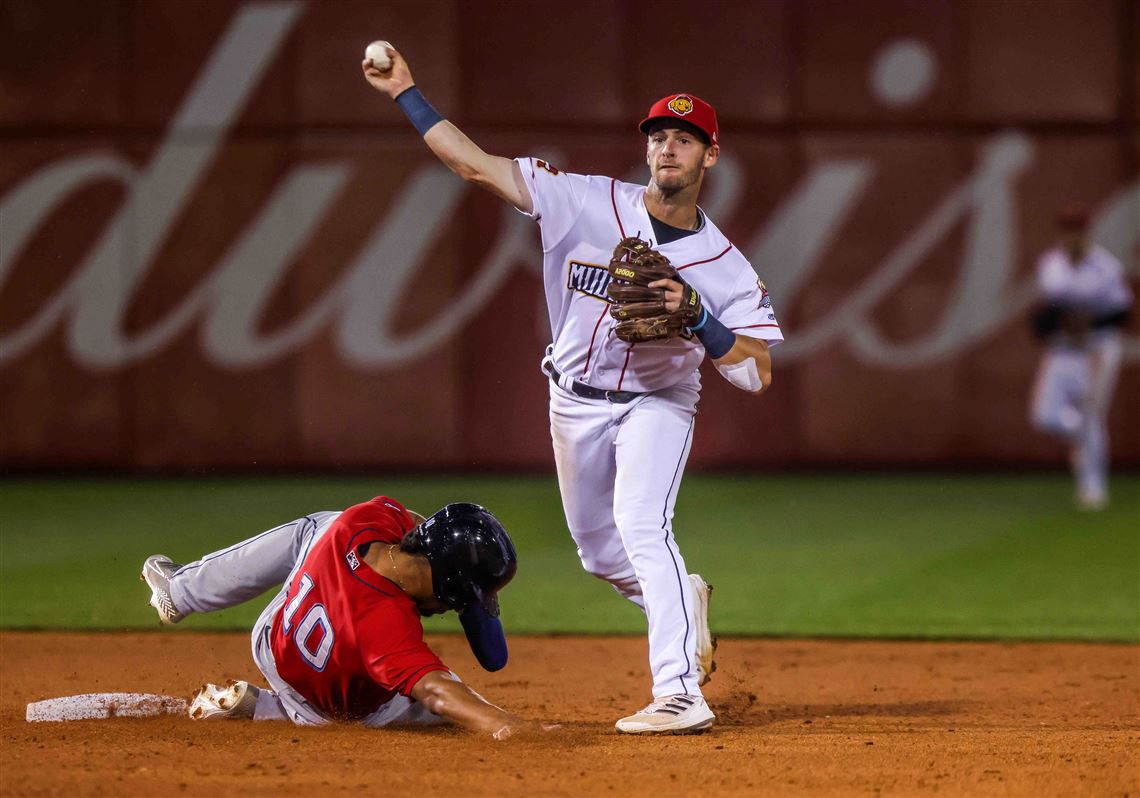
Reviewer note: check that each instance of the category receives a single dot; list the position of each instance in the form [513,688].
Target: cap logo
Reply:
[681,105]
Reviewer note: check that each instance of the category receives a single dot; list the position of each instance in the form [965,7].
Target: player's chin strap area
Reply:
[567,383]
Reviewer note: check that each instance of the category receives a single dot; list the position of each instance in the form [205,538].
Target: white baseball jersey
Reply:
[582,218]
[1073,390]
[1095,284]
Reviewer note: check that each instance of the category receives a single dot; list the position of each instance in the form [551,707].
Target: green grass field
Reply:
[902,556]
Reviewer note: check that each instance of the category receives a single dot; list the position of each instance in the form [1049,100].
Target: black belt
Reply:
[590,392]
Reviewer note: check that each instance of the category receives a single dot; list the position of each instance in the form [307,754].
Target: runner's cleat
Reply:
[156,572]
[235,701]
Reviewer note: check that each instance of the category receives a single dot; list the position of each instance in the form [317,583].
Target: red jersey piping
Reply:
[625,365]
[706,260]
[613,199]
[590,351]
[751,326]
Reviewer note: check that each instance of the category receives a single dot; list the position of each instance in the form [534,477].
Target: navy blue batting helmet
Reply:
[471,555]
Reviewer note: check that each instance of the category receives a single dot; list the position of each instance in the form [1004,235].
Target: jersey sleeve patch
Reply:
[558,198]
[748,310]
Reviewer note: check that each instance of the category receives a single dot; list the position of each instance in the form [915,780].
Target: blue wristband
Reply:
[704,318]
[418,110]
[717,338]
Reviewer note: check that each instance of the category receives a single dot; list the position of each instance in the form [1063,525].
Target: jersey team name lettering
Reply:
[588,279]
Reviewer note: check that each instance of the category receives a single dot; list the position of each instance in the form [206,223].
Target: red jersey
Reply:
[347,639]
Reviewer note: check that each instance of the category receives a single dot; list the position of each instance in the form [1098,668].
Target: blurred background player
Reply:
[622,413]
[1084,302]
[343,639]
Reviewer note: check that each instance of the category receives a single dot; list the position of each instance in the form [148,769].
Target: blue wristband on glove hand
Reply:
[716,338]
[418,109]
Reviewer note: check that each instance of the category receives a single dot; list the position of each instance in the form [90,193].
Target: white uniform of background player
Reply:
[622,415]
[1084,299]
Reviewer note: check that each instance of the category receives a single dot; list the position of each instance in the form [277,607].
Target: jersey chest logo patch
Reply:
[353,560]
[588,279]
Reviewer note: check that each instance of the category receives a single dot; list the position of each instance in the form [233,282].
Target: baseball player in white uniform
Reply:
[622,414]
[1084,302]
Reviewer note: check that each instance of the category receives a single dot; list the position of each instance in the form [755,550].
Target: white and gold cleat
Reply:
[234,701]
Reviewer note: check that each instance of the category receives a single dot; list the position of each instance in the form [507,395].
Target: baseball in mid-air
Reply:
[378,52]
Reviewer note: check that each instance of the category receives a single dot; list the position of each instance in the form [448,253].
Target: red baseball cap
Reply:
[687,108]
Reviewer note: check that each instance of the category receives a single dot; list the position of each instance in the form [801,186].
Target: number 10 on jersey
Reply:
[316,616]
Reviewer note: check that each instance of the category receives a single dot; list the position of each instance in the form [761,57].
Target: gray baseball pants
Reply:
[244,571]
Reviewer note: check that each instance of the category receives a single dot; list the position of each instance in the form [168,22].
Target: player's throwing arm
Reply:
[501,176]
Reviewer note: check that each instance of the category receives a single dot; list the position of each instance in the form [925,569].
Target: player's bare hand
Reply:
[393,80]
[529,728]
[673,293]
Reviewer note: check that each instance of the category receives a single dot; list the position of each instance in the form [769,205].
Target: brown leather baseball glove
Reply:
[640,310]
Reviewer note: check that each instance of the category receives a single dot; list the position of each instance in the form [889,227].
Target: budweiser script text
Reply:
[228,304]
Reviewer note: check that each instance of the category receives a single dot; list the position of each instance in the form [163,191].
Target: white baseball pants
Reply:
[619,470]
[1071,399]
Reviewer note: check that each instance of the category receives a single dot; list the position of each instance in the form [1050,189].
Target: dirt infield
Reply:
[796,718]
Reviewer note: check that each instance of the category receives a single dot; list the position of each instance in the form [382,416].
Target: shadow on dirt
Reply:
[748,709]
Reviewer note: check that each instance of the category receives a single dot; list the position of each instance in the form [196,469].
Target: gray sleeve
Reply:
[246,570]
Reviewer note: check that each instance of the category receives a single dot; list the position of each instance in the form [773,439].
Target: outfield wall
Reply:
[220,248]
